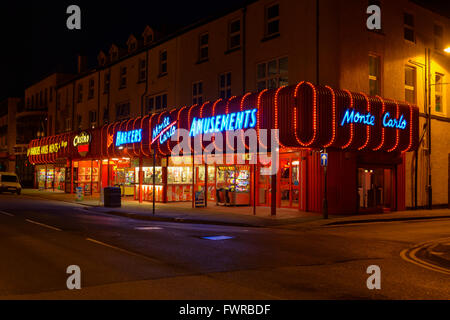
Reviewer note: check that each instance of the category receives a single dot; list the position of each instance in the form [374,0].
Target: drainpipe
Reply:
[317,41]
[430,189]
[98,106]
[146,83]
[244,42]
[73,105]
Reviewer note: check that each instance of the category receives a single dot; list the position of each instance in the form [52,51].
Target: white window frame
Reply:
[268,20]
[123,77]
[226,87]
[163,62]
[268,78]
[197,98]
[142,73]
[376,78]
[412,28]
[412,88]
[91,89]
[234,34]
[440,92]
[202,46]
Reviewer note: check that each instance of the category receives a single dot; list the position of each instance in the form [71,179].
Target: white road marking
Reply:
[147,228]
[6,213]
[43,225]
[123,250]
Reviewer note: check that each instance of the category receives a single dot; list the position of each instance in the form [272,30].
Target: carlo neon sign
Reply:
[224,122]
[350,116]
[128,137]
[164,130]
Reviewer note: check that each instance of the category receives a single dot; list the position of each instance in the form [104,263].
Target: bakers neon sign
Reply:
[224,122]
[127,137]
[164,130]
[352,116]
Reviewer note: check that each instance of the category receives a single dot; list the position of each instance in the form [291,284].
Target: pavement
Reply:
[233,216]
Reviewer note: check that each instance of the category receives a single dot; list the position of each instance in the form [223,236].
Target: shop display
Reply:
[50,178]
[179,175]
[60,178]
[148,175]
[41,179]
[233,185]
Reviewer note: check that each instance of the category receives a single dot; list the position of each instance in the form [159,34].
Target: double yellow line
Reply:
[410,256]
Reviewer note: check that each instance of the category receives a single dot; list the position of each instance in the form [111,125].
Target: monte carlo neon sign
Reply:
[164,130]
[128,137]
[352,116]
[224,122]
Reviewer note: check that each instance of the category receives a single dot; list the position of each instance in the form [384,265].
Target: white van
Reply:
[9,182]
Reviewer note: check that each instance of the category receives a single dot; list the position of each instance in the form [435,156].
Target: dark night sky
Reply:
[36,42]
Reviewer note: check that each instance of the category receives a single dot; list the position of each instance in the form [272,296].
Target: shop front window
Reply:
[86,174]
[148,175]
[233,185]
[179,175]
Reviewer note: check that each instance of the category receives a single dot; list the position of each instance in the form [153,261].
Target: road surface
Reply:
[121,258]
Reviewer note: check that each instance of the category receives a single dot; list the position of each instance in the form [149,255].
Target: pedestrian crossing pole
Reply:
[325,199]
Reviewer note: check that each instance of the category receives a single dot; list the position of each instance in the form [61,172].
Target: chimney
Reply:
[82,63]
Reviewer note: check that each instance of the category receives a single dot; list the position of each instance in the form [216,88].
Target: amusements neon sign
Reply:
[127,137]
[350,116]
[164,130]
[224,122]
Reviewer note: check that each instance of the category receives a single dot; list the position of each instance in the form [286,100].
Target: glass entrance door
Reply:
[375,189]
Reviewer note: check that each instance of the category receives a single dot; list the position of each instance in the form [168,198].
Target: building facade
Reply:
[271,44]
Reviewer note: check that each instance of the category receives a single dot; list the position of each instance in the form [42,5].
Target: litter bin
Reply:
[112,197]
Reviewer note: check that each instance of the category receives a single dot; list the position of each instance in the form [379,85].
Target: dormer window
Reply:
[132,44]
[114,53]
[101,59]
[148,35]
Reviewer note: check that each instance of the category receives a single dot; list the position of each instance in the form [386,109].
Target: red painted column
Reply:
[141,176]
[274,193]
[164,183]
[71,177]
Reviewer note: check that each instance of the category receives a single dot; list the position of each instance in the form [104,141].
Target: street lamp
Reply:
[447,50]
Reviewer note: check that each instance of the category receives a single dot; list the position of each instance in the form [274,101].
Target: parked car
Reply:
[9,182]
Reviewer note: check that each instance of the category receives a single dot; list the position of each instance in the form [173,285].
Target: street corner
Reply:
[432,255]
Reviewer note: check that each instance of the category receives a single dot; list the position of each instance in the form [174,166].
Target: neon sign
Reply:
[352,117]
[49,148]
[394,123]
[164,130]
[224,122]
[81,139]
[126,137]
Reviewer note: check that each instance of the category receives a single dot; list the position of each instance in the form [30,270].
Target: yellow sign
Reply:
[52,148]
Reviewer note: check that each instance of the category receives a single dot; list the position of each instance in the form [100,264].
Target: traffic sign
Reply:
[324,159]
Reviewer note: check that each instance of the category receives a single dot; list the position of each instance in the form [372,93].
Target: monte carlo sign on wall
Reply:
[164,130]
[352,116]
